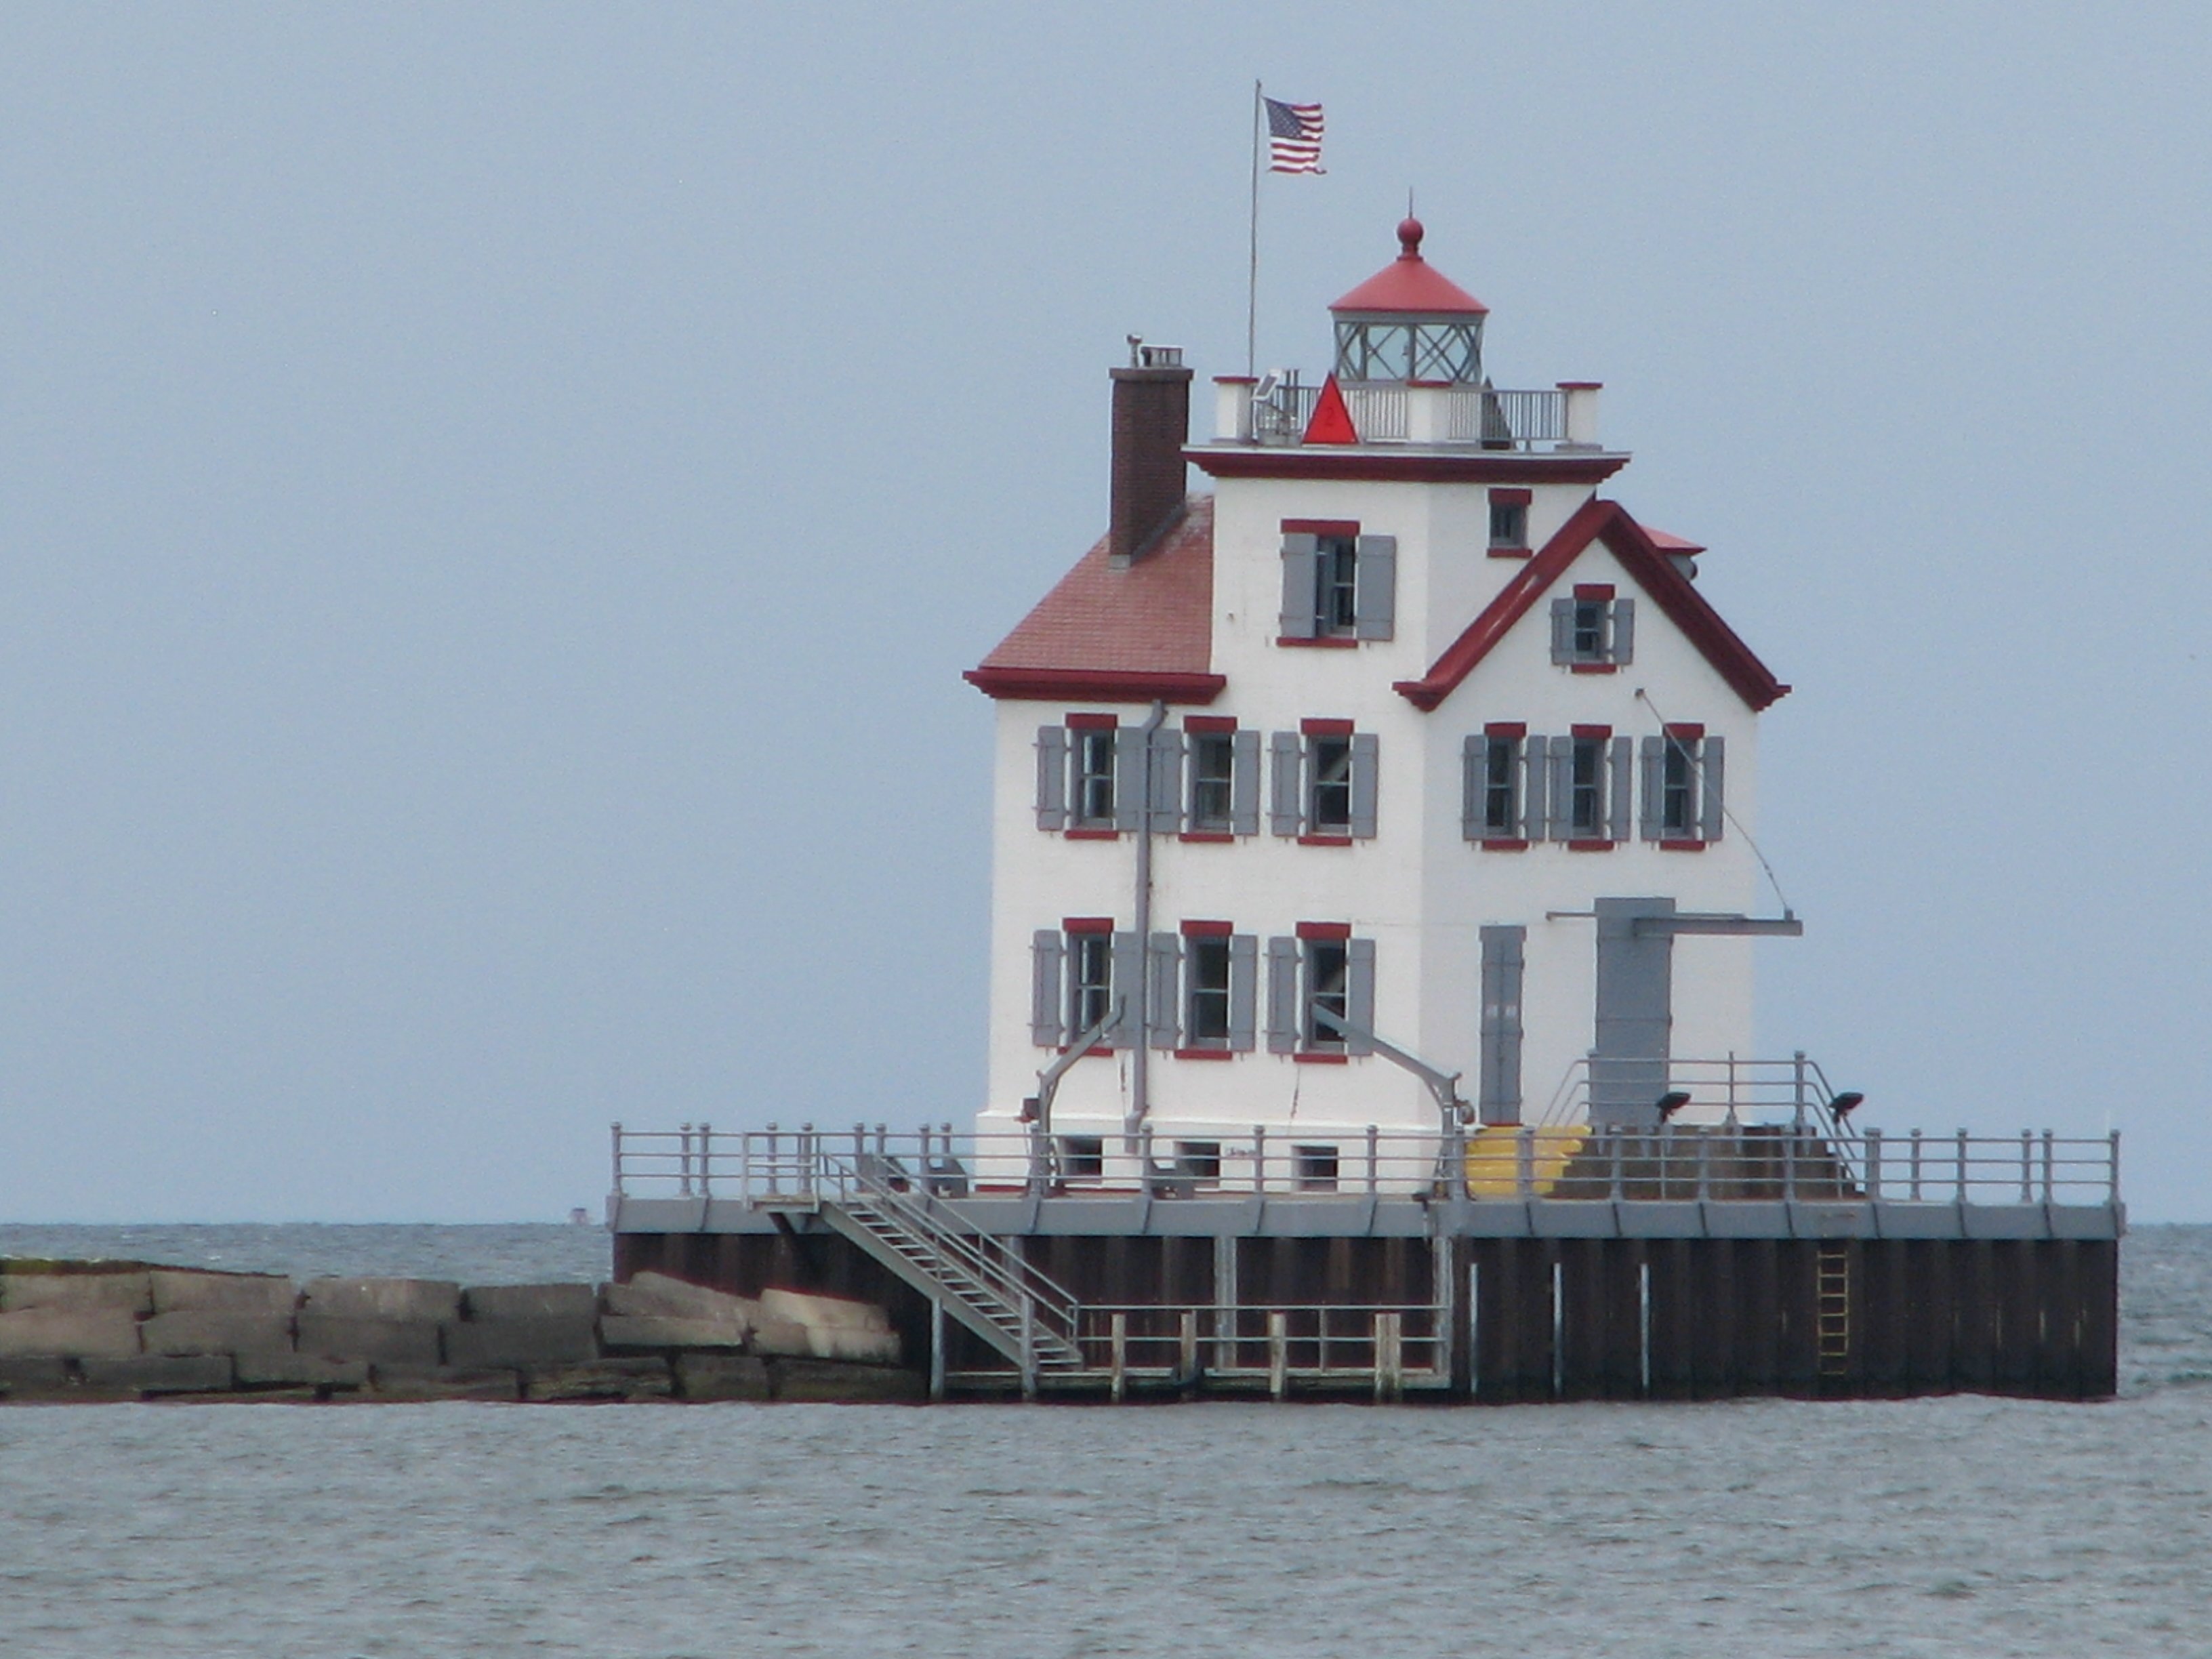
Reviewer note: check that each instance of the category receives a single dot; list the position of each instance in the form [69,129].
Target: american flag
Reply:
[1293,137]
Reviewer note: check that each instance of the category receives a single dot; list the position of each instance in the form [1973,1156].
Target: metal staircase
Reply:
[979,1280]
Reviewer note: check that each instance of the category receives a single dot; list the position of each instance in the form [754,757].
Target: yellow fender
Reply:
[1493,1158]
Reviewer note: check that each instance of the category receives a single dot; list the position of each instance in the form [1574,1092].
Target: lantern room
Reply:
[1409,322]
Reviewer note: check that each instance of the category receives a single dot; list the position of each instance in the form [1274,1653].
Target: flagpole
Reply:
[1251,286]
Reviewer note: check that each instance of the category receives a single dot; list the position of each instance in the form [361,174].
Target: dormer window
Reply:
[1592,632]
[1339,586]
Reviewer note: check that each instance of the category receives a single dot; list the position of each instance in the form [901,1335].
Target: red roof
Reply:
[1410,283]
[1646,562]
[1133,635]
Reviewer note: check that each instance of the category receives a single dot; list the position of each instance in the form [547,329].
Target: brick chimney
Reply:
[1151,423]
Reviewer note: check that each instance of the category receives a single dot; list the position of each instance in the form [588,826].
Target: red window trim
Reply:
[1320,527]
[1507,497]
[1321,641]
[1505,729]
[1601,732]
[1094,1051]
[1208,929]
[1682,846]
[1511,553]
[1688,731]
[1209,722]
[1086,924]
[1092,835]
[1324,840]
[1326,728]
[1503,844]
[1591,846]
[1594,668]
[1320,1057]
[1206,1053]
[1092,722]
[1329,933]
[1593,590]
[1205,837]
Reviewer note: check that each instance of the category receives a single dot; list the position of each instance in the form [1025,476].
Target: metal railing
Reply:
[1750,1144]
[1382,414]
[1393,1347]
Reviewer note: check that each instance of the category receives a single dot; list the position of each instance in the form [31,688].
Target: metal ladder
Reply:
[1831,1295]
[981,1282]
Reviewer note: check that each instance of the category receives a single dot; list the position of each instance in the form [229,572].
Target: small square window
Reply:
[1200,1159]
[1082,1158]
[1313,1168]
[1509,523]
[1593,630]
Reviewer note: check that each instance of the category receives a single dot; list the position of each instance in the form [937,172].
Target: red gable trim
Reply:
[1094,685]
[1381,466]
[1654,572]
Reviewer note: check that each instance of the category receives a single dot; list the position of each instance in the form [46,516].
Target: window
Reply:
[1508,520]
[1684,781]
[1313,1168]
[1592,630]
[1094,777]
[1199,1160]
[1324,788]
[1321,965]
[1586,789]
[1079,972]
[1205,990]
[1339,586]
[1502,804]
[1091,779]
[1588,785]
[1082,1158]
[1220,778]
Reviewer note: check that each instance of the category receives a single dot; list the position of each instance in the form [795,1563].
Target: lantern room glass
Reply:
[1409,348]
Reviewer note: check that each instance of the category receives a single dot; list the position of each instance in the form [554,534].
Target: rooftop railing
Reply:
[1397,412]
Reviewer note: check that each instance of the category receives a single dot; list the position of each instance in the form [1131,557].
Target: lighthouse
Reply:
[1408,740]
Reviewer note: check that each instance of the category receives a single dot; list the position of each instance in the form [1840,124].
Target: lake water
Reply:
[1954,1526]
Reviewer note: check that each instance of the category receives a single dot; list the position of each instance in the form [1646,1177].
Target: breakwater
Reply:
[98,1331]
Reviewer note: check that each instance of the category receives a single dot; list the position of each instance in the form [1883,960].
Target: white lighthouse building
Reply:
[1408,733]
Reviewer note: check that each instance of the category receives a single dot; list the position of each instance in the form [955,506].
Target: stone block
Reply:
[26,1378]
[530,1300]
[422,1382]
[836,1327]
[182,1290]
[520,1342]
[634,1378]
[283,1368]
[780,1336]
[659,1295]
[380,1342]
[436,1300]
[722,1376]
[217,1331]
[146,1374]
[820,1382]
[662,1331]
[107,1334]
[120,1293]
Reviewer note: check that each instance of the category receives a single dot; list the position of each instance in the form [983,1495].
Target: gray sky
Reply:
[495,503]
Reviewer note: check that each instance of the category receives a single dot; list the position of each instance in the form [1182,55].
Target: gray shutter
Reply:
[1624,631]
[1243,990]
[1052,777]
[1533,788]
[1474,783]
[1498,1093]
[1375,599]
[1244,784]
[1164,986]
[1282,995]
[1359,991]
[1047,1027]
[1562,630]
[1301,600]
[1287,787]
[1655,786]
[1366,751]
[1167,780]
[1562,776]
[1129,777]
[1711,784]
[1128,989]
[1621,789]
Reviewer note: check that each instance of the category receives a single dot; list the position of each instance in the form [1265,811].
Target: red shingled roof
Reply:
[1410,283]
[1127,636]
[1644,559]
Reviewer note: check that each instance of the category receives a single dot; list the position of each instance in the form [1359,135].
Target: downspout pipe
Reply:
[1141,1040]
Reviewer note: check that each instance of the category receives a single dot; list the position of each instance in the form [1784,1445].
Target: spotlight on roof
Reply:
[1845,1103]
[1671,1102]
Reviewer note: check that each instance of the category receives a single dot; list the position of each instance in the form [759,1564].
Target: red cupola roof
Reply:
[1410,284]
